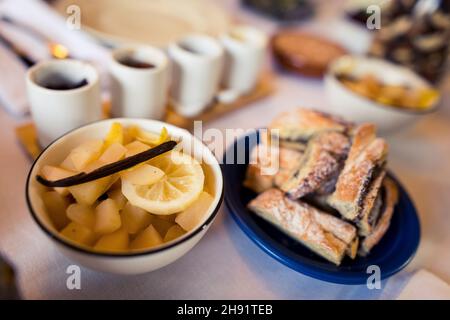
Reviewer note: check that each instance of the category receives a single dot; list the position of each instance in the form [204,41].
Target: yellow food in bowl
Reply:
[400,96]
[139,208]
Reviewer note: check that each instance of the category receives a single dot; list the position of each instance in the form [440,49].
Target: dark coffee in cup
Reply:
[135,63]
[190,48]
[56,81]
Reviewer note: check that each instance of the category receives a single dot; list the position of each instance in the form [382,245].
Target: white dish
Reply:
[197,65]
[245,49]
[124,263]
[57,111]
[155,22]
[357,108]
[139,92]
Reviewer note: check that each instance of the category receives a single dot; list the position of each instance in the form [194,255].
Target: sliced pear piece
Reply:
[135,147]
[79,234]
[117,195]
[174,232]
[67,164]
[146,239]
[135,219]
[148,137]
[117,241]
[107,217]
[192,216]
[113,153]
[56,206]
[170,218]
[115,135]
[161,225]
[116,185]
[86,153]
[56,173]
[82,214]
[87,193]
[142,175]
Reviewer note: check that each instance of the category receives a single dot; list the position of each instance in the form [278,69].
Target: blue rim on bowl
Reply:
[391,254]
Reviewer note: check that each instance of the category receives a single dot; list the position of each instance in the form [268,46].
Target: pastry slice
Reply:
[352,249]
[340,228]
[302,222]
[390,197]
[299,146]
[270,165]
[257,181]
[289,161]
[366,158]
[320,202]
[293,145]
[343,230]
[371,205]
[295,128]
[362,136]
[263,164]
[329,185]
[323,158]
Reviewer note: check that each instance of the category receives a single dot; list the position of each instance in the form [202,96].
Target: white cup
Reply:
[57,111]
[245,49]
[196,72]
[139,92]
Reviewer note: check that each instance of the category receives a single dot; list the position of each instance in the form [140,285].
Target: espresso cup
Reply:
[245,49]
[139,82]
[197,62]
[63,95]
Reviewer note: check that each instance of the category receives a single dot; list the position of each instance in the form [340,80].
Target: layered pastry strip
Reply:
[388,200]
[322,233]
[371,206]
[269,166]
[295,128]
[322,161]
[352,249]
[360,176]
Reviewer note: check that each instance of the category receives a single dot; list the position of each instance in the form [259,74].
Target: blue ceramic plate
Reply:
[392,253]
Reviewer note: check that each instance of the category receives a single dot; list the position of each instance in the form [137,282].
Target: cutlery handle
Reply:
[23,57]
[8,289]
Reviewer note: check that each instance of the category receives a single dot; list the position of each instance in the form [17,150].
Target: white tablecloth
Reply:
[226,264]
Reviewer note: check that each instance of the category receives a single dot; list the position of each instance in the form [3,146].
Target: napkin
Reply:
[12,83]
[425,285]
[35,25]
[35,48]
[50,25]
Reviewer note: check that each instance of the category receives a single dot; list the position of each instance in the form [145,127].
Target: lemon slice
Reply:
[147,137]
[115,134]
[180,186]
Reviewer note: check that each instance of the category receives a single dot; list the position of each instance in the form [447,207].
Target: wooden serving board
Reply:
[26,133]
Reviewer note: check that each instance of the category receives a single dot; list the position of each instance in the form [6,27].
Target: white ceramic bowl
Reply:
[355,107]
[124,263]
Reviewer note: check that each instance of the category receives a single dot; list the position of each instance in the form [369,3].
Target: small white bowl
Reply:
[124,263]
[355,107]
